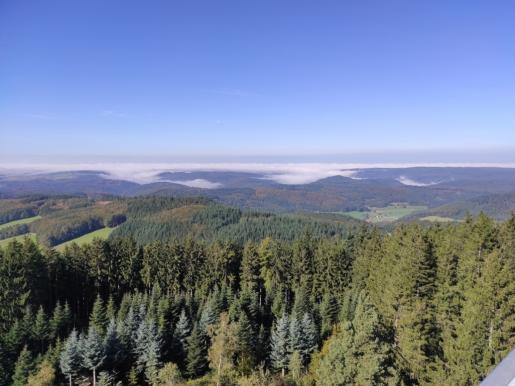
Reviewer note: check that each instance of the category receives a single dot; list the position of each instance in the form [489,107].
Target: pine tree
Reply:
[182,331]
[402,287]
[110,309]
[356,354]
[295,338]
[196,363]
[332,369]
[223,347]
[279,342]
[296,365]
[373,355]
[57,321]
[115,351]
[67,318]
[40,330]
[246,343]
[44,376]
[105,378]
[301,304]
[309,337]
[209,315]
[249,270]
[23,368]
[14,289]
[92,352]
[70,359]
[328,314]
[147,349]
[98,318]
[132,377]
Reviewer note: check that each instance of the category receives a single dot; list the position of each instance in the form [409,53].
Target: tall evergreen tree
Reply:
[328,314]
[196,362]
[40,329]
[279,345]
[23,368]
[309,337]
[147,349]
[92,352]
[223,347]
[70,358]
[98,318]
[247,340]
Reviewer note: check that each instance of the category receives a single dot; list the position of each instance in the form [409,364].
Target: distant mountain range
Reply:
[445,191]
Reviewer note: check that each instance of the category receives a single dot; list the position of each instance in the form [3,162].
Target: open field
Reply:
[4,242]
[387,214]
[88,237]
[438,219]
[27,220]
[358,215]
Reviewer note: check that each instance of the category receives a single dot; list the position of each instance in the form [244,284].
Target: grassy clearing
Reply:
[357,215]
[27,220]
[88,237]
[4,242]
[438,219]
[393,213]
[389,213]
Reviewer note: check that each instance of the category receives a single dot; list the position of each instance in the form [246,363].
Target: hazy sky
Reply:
[172,78]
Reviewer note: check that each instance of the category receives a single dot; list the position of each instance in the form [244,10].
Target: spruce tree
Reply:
[115,350]
[44,375]
[295,337]
[57,321]
[196,362]
[98,318]
[296,365]
[279,345]
[182,331]
[40,329]
[246,343]
[223,347]
[328,314]
[110,309]
[92,352]
[23,368]
[309,337]
[70,359]
[209,315]
[147,349]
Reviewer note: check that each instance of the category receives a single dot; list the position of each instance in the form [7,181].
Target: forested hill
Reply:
[160,218]
[53,220]
[416,306]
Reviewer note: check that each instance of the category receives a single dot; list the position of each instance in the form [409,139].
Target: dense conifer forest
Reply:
[412,306]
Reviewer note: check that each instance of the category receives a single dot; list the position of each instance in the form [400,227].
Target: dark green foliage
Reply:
[147,350]
[196,360]
[414,306]
[98,318]
[328,314]
[23,368]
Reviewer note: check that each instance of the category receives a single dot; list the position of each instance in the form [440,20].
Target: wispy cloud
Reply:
[283,173]
[198,183]
[410,182]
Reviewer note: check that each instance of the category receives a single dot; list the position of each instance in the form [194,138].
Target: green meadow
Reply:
[88,237]
[27,220]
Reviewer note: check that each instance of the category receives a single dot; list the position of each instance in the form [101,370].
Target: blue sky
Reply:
[265,78]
